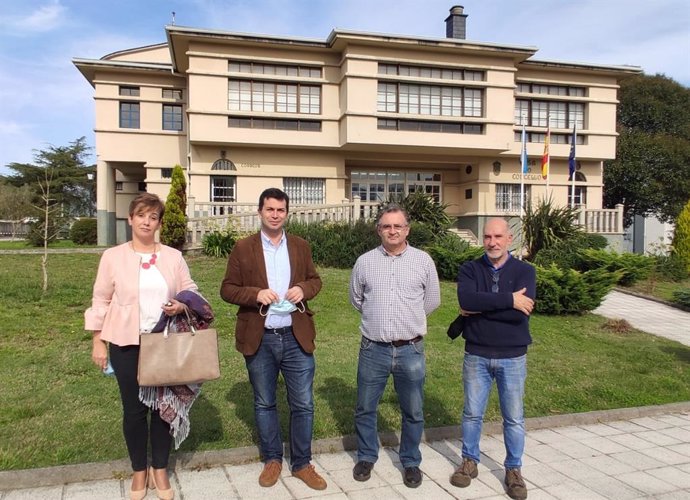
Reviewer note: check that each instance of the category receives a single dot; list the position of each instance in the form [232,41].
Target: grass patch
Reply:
[25,245]
[58,409]
[658,288]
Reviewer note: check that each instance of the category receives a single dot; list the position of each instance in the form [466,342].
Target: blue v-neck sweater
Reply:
[498,331]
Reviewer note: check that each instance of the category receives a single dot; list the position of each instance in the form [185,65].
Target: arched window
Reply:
[580,177]
[223,164]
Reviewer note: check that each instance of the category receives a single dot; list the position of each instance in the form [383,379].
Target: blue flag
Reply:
[523,154]
[571,157]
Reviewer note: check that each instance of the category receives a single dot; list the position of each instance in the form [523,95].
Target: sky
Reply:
[45,101]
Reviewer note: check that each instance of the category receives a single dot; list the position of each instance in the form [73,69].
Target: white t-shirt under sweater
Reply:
[153,293]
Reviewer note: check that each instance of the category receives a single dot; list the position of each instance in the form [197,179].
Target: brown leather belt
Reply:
[400,343]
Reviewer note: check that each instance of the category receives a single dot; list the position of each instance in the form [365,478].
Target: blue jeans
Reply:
[478,374]
[281,353]
[407,364]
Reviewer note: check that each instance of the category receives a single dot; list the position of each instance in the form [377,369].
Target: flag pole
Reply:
[523,171]
[571,165]
[546,158]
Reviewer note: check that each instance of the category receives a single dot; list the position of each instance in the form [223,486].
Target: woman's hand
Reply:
[99,352]
[173,307]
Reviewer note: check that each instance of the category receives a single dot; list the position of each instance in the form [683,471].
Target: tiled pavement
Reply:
[651,317]
[619,454]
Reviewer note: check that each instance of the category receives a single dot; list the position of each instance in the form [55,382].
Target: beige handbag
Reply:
[178,358]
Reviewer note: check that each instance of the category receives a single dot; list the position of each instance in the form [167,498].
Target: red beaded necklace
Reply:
[152,260]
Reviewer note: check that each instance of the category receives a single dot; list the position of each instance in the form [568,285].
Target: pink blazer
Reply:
[114,307]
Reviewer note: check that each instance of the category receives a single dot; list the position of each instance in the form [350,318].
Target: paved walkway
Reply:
[648,316]
[629,453]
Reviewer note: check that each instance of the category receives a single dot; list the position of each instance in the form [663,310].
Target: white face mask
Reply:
[282,308]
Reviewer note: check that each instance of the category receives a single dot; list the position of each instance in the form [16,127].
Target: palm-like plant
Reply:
[421,207]
[546,224]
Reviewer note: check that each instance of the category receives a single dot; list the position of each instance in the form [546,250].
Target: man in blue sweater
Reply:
[496,294]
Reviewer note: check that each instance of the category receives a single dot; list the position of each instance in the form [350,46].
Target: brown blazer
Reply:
[245,276]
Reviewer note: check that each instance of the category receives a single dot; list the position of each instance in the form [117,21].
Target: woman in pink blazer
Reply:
[135,282]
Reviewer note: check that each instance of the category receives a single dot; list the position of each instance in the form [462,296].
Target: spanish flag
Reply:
[545,156]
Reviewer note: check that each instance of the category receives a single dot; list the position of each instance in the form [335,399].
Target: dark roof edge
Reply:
[624,68]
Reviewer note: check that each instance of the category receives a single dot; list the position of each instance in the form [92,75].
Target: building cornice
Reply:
[179,38]
[617,70]
[88,67]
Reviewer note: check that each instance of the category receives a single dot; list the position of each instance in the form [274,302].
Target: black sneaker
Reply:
[362,471]
[412,477]
[464,474]
[515,485]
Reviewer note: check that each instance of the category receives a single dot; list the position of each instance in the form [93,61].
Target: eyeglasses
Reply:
[494,287]
[388,227]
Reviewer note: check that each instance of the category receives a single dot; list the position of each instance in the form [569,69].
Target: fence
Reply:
[14,229]
[207,217]
[213,216]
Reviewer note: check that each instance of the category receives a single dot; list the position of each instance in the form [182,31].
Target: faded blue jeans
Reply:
[281,353]
[407,364]
[478,374]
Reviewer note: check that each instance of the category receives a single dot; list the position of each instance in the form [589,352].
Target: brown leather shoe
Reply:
[269,476]
[310,477]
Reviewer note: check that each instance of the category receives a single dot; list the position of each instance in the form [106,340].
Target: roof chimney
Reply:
[456,23]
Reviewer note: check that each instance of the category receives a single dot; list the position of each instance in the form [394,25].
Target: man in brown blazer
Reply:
[271,275]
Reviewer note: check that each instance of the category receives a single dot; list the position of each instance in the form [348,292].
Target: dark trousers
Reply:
[135,421]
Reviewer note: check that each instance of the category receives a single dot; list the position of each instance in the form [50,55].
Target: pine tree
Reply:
[681,237]
[174,226]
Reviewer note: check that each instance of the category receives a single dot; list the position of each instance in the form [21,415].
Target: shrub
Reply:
[336,244]
[633,267]
[84,232]
[567,291]
[449,253]
[422,207]
[546,225]
[682,297]
[567,254]
[36,234]
[681,237]
[670,267]
[421,234]
[174,225]
[219,243]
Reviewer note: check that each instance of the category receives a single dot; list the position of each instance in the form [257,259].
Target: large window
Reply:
[433,100]
[305,191]
[274,69]
[129,115]
[377,186]
[508,197]
[222,190]
[272,123]
[172,94]
[129,91]
[534,88]
[580,195]
[542,113]
[430,126]
[172,117]
[430,72]
[274,97]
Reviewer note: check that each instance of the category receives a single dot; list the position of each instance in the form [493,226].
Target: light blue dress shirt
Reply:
[277,262]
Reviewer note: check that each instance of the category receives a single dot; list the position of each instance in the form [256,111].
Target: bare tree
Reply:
[48,211]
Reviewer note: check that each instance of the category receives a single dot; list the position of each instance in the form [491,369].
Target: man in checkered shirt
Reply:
[394,287]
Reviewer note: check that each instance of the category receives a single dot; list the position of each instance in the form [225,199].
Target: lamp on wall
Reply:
[497,167]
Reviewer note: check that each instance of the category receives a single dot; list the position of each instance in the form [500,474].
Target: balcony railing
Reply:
[206,217]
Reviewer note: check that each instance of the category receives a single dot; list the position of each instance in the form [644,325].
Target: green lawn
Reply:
[658,288]
[57,408]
